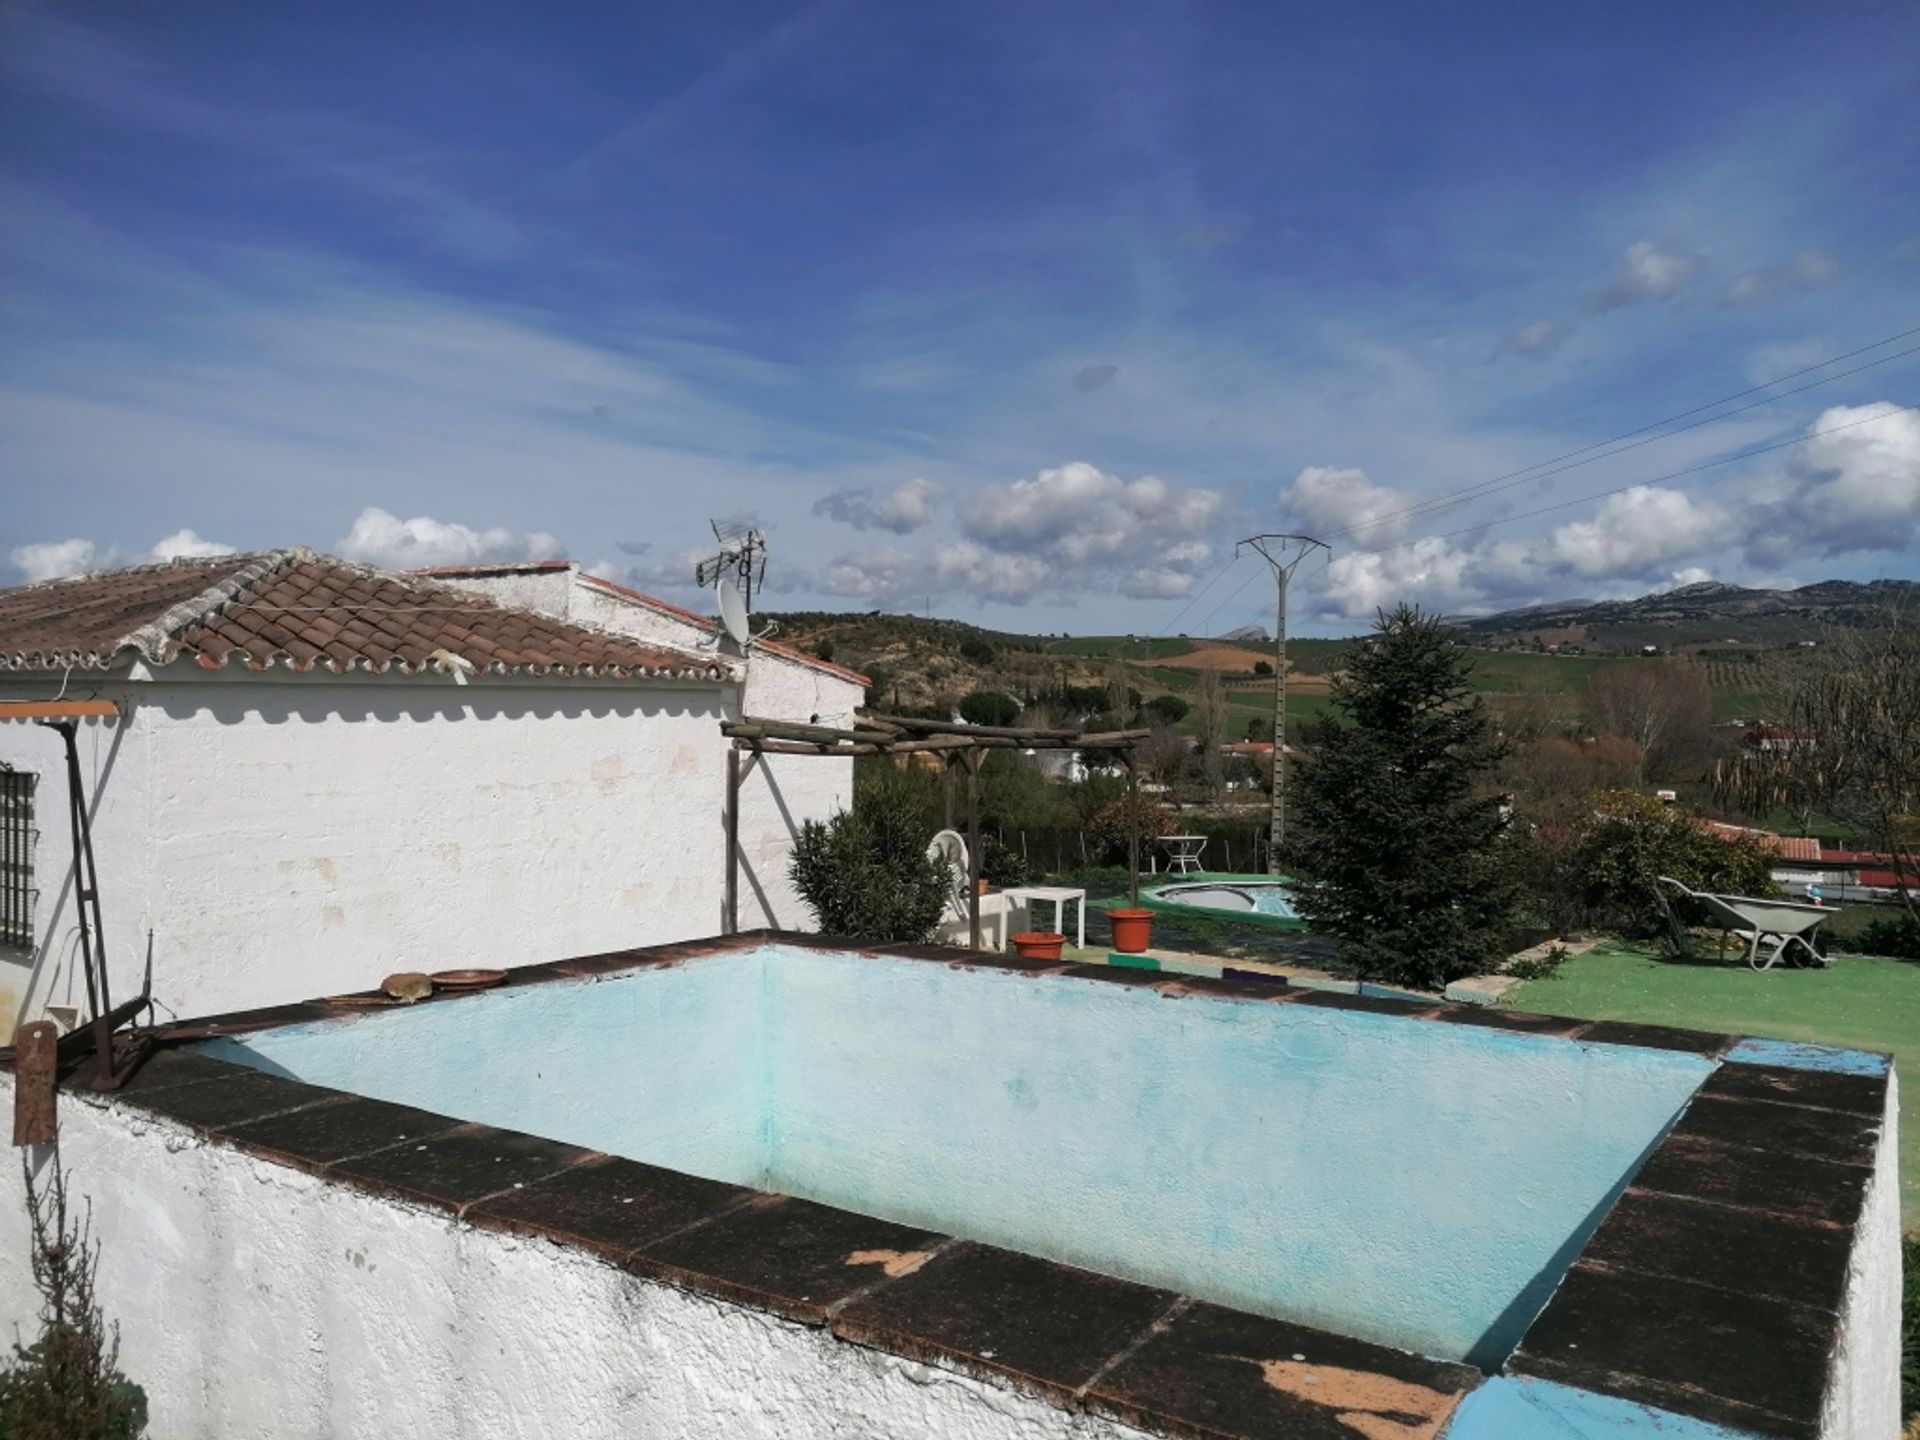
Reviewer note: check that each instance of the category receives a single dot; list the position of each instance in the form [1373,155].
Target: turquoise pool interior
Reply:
[1235,896]
[1414,1183]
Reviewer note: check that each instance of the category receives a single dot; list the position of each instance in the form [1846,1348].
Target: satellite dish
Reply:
[733,611]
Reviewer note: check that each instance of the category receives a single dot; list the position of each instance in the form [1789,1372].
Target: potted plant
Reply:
[1038,944]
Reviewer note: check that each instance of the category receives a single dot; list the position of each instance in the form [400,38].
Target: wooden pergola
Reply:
[956,743]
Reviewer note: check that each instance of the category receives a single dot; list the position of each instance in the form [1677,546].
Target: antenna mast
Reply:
[1284,553]
[743,554]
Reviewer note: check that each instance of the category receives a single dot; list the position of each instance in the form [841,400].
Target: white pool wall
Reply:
[1416,1183]
[257,1302]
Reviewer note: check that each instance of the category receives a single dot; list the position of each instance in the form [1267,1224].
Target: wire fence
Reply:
[1234,847]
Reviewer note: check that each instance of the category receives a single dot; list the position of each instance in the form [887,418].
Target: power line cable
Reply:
[1521,477]
[1654,480]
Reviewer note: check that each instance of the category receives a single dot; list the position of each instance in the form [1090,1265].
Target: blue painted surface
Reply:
[1796,1056]
[1516,1408]
[1419,1184]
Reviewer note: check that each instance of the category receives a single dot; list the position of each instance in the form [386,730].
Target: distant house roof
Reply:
[304,611]
[1787,847]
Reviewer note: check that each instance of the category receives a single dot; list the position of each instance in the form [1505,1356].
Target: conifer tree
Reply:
[1398,847]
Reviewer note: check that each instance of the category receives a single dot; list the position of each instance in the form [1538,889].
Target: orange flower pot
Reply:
[1038,945]
[1132,930]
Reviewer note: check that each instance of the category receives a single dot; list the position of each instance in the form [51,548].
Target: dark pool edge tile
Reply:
[1734,1415]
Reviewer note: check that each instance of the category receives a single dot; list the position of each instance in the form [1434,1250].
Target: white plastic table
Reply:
[1183,852]
[1059,895]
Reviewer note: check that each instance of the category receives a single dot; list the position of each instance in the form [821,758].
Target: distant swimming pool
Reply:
[1250,896]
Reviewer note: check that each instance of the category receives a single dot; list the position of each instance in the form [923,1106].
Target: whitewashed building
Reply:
[320,773]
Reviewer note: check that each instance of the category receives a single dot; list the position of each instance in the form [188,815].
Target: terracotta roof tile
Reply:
[298,610]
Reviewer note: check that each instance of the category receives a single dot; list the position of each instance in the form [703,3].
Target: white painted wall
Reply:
[257,1301]
[784,790]
[287,838]
[1863,1398]
[114,771]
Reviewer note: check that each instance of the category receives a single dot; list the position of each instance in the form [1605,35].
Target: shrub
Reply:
[977,650]
[866,874]
[989,707]
[1543,966]
[823,650]
[67,1384]
[1263,667]
[1112,827]
[1910,1331]
[1895,936]
[1001,864]
[1166,709]
[1629,839]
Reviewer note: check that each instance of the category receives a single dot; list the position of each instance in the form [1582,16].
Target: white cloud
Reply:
[381,538]
[1078,513]
[870,574]
[185,544]
[1537,339]
[902,510]
[50,559]
[1855,489]
[1431,572]
[1647,274]
[993,574]
[1156,582]
[1336,501]
[1636,530]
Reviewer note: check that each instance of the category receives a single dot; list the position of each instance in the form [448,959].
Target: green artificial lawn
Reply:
[1861,1002]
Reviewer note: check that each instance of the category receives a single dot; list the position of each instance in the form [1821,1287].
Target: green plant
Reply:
[1395,843]
[1166,709]
[989,707]
[866,874]
[67,1384]
[1001,864]
[1110,831]
[1263,667]
[977,650]
[1895,936]
[1629,840]
[1543,966]
[1910,1329]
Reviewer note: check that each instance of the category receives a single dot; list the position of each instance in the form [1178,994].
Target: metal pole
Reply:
[1284,553]
[1277,815]
[1133,833]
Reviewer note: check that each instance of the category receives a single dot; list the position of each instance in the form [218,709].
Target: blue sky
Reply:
[1022,312]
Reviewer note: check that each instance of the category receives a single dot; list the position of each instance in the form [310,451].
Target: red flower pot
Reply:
[1038,945]
[1132,930]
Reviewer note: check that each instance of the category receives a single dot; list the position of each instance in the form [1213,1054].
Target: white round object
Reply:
[733,610]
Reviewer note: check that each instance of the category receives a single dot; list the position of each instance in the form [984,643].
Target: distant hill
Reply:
[1706,614]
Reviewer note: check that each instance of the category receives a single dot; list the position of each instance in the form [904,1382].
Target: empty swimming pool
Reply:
[1421,1185]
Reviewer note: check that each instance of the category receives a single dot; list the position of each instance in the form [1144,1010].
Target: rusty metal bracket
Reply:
[36,1071]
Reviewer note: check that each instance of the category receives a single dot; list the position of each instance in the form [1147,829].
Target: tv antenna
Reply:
[742,559]
[1284,553]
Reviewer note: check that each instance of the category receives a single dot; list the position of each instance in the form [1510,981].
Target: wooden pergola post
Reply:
[1133,830]
[731,923]
[971,759]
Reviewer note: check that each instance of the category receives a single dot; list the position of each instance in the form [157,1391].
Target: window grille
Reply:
[17,838]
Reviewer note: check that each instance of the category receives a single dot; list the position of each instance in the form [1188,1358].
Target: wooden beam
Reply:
[752,727]
[732,917]
[57,709]
[950,727]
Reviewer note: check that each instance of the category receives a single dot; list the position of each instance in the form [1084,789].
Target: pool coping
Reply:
[1773,1149]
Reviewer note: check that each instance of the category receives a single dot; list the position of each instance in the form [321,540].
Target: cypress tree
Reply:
[1397,846]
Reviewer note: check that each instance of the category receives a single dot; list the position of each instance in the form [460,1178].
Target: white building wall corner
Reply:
[1863,1392]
